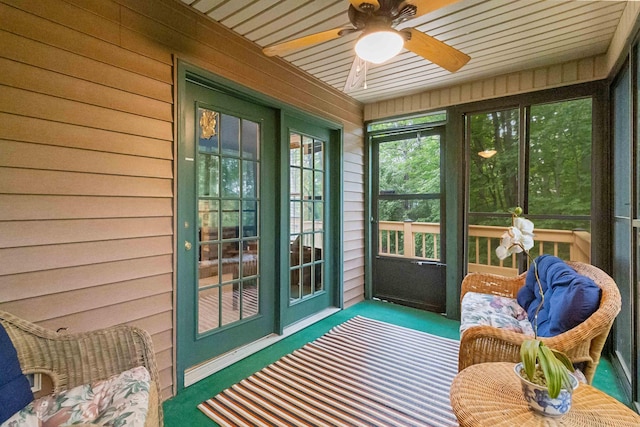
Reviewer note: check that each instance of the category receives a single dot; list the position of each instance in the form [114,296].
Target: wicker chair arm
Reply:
[81,358]
[481,344]
[493,284]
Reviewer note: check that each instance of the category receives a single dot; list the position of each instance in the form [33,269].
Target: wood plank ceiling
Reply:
[500,36]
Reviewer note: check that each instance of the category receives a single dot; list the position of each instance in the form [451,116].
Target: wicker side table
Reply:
[489,394]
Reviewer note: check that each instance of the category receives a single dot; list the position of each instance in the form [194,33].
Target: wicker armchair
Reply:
[75,359]
[583,344]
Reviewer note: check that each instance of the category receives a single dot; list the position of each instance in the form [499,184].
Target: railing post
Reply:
[408,238]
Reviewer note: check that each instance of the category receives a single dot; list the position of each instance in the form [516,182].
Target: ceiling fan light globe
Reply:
[379,46]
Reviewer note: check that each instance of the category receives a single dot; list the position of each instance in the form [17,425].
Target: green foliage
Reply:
[555,366]
[408,167]
[559,159]
[494,181]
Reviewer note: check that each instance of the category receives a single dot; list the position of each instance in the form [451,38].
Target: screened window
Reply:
[542,165]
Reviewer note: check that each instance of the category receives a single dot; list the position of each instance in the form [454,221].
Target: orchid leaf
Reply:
[555,371]
[529,355]
[552,371]
[563,359]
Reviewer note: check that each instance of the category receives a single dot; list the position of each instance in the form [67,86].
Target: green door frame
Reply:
[335,185]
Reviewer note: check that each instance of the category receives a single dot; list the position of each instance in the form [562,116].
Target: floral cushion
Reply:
[492,310]
[121,400]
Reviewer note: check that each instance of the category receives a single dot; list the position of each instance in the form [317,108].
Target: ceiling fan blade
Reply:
[426,6]
[435,51]
[356,76]
[358,3]
[286,47]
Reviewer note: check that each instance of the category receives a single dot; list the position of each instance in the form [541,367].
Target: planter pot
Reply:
[537,396]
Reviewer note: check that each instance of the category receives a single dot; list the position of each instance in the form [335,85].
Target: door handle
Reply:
[187,245]
[434,263]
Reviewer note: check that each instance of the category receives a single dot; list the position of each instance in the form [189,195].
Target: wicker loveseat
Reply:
[583,344]
[70,360]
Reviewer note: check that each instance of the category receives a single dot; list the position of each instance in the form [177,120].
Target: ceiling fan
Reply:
[380,41]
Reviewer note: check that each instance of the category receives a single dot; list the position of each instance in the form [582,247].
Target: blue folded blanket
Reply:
[15,391]
[569,298]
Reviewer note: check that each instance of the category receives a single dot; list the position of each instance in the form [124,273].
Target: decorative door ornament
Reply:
[208,123]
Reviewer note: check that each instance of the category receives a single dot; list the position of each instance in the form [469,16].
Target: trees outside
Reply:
[558,169]
[409,188]
[410,166]
[493,181]
[560,158]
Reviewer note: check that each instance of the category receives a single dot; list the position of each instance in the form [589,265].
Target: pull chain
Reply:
[365,75]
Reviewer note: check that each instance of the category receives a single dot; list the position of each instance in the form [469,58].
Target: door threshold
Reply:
[202,371]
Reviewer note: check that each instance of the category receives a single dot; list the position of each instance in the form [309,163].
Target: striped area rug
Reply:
[361,373]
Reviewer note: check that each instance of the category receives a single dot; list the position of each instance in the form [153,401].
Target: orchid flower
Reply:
[519,238]
[516,239]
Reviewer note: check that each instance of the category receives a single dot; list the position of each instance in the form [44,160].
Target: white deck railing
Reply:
[425,244]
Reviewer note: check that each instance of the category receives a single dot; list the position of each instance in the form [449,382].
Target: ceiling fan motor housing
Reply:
[390,14]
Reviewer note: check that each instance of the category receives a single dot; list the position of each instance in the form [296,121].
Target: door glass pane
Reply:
[306,217]
[410,165]
[318,185]
[228,215]
[230,135]
[396,224]
[409,197]
[208,315]
[208,175]
[318,158]
[209,215]
[307,184]
[249,298]
[295,149]
[249,219]
[230,177]
[230,304]
[295,217]
[250,176]
[250,139]
[408,265]
[307,152]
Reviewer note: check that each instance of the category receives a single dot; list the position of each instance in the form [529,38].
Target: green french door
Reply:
[226,227]
[306,288]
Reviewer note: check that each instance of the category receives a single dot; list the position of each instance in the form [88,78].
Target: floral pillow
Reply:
[480,309]
[121,400]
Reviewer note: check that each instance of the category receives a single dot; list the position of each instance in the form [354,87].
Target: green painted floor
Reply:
[181,410]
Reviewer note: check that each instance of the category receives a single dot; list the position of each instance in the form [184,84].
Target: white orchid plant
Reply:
[555,365]
[518,238]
